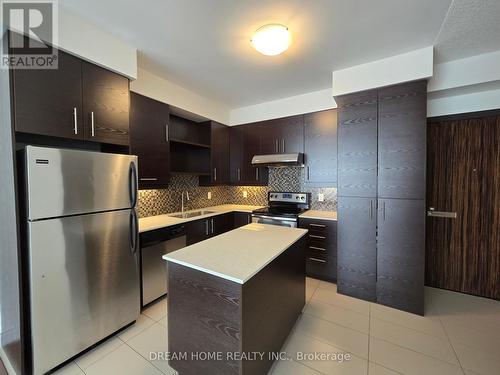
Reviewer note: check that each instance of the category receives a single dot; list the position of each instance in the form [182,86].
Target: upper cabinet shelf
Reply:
[189,132]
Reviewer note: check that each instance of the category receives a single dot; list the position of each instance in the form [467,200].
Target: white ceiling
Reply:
[203,45]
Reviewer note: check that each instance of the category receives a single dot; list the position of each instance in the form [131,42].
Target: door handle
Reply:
[215,174]
[92,124]
[450,215]
[166,133]
[133,184]
[148,179]
[276,151]
[307,173]
[257,174]
[134,231]
[315,236]
[283,145]
[318,260]
[75,121]
[212,224]
[206,227]
[383,210]
[371,210]
[239,174]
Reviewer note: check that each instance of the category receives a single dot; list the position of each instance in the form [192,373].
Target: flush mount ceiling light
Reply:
[272,39]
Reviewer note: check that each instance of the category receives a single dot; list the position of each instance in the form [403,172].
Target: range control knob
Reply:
[303,198]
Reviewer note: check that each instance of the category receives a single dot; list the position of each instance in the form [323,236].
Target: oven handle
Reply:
[273,217]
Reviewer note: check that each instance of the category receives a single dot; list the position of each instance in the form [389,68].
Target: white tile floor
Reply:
[459,335]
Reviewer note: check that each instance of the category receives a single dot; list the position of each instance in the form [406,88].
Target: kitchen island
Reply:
[233,299]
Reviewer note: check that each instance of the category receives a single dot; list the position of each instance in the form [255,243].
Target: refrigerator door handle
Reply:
[133,184]
[134,232]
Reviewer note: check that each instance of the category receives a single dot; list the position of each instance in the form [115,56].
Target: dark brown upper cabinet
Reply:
[106,105]
[79,100]
[219,156]
[282,135]
[245,144]
[402,114]
[149,140]
[357,144]
[49,102]
[320,146]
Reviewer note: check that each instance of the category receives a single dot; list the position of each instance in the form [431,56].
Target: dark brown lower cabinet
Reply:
[242,218]
[321,252]
[401,254]
[357,247]
[200,230]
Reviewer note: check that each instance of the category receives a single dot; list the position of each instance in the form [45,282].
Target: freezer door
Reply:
[71,182]
[83,282]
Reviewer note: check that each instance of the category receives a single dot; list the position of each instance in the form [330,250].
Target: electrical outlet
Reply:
[321,197]
[209,195]
[245,194]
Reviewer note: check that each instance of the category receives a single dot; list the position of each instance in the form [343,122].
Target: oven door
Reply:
[275,220]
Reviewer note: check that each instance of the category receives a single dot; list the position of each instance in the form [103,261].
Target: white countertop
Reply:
[320,215]
[161,221]
[239,254]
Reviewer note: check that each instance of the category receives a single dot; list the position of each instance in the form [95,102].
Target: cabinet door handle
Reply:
[383,210]
[92,130]
[307,173]
[148,179]
[318,260]
[317,225]
[283,145]
[215,174]
[166,133]
[317,248]
[206,227]
[371,210]
[315,236]
[276,151]
[212,224]
[75,121]
[257,174]
[239,174]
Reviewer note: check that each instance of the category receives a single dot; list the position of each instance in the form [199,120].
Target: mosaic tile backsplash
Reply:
[163,201]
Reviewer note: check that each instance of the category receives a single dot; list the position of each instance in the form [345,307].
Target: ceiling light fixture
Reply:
[272,39]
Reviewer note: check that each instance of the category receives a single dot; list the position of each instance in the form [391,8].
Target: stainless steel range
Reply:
[283,209]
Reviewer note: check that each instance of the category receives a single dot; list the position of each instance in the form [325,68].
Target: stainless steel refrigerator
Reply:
[81,240]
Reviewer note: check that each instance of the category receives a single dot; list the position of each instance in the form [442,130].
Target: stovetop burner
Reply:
[285,204]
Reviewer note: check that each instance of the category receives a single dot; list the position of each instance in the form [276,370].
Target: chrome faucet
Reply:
[182,199]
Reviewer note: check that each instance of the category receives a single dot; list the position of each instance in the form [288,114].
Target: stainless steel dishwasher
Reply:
[154,244]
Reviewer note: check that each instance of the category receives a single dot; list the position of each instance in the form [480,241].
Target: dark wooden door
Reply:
[292,134]
[282,135]
[241,219]
[235,154]
[49,102]
[149,140]
[463,176]
[402,121]
[197,230]
[401,253]
[251,147]
[271,136]
[357,247]
[219,156]
[357,144]
[105,105]
[320,146]
[221,224]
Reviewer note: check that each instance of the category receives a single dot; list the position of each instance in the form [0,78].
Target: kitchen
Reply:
[166,196]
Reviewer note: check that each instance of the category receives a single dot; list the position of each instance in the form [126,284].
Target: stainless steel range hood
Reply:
[278,160]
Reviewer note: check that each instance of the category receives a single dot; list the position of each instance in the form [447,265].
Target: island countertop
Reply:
[239,254]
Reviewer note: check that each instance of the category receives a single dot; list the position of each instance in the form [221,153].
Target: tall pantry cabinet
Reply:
[381,195]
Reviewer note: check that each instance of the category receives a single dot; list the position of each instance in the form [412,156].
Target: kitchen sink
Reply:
[186,215]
